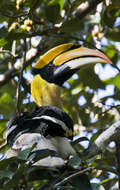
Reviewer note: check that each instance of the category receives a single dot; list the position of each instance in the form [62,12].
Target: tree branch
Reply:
[110,134]
[2,146]
[18,99]
[26,84]
[8,52]
[14,16]
[111,107]
[14,71]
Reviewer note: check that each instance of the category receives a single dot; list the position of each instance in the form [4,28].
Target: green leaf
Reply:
[114,34]
[54,2]
[94,137]
[7,104]
[5,98]
[110,14]
[114,80]
[55,10]
[85,117]
[81,182]
[81,139]
[3,42]
[74,162]
[106,180]
[94,82]
[78,148]
[110,51]
[24,154]
[76,90]
[10,164]
[61,3]
[3,19]
[8,88]
[89,78]
[105,164]
[40,173]
[6,174]
[72,25]
[18,177]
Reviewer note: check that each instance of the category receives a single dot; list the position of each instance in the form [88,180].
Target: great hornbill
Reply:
[58,65]
[49,126]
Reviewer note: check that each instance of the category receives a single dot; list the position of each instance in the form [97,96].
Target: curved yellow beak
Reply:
[74,58]
[51,54]
[84,54]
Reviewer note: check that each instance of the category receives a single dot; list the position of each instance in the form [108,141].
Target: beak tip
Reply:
[108,61]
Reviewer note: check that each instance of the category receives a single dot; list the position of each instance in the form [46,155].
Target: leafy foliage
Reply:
[27,30]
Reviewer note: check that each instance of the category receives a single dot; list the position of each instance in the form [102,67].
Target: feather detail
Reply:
[44,93]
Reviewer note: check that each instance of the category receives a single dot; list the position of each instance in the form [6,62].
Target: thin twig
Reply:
[65,180]
[3,145]
[8,52]
[111,107]
[18,100]
[14,16]
[48,184]
[8,75]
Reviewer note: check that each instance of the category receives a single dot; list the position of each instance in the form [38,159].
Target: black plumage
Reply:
[57,75]
[45,120]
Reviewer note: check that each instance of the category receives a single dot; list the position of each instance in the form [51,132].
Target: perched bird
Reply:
[49,127]
[61,62]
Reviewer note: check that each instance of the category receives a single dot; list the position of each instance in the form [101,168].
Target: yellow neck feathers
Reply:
[45,93]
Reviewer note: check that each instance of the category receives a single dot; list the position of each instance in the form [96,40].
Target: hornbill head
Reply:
[61,62]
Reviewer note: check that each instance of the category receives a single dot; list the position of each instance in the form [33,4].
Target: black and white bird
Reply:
[49,127]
